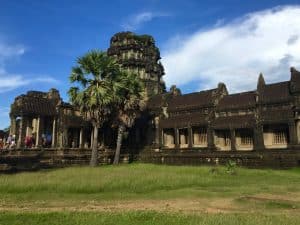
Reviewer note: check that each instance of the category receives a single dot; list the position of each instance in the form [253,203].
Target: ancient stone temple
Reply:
[46,116]
[201,126]
[138,54]
[267,118]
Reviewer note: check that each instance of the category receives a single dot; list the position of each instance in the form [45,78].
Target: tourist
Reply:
[44,140]
[28,142]
[13,142]
[32,139]
[1,143]
[48,140]
[8,142]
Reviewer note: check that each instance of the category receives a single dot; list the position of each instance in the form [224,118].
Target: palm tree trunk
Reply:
[119,143]
[94,157]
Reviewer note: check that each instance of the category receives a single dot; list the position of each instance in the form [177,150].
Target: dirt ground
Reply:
[242,204]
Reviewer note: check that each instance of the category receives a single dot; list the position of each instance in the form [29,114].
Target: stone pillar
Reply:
[210,138]
[65,138]
[177,143]
[292,133]
[232,140]
[20,141]
[28,133]
[13,125]
[54,135]
[81,138]
[160,137]
[38,132]
[60,139]
[259,137]
[157,132]
[190,137]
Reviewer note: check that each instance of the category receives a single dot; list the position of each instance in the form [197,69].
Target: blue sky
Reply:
[202,42]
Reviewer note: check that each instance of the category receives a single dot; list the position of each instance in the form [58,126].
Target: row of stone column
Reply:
[22,127]
[258,138]
[25,126]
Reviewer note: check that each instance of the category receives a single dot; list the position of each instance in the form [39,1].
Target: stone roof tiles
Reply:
[183,120]
[192,100]
[187,101]
[33,105]
[278,92]
[277,114]
[240,121]
[237,101]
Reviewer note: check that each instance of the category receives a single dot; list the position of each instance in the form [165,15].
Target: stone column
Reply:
[160,137]
[177,143]
[65,138]
[210,138]
[190,137]
[54,135]
[157,132]
[13,125]
[38,132]
[81,138]
[20,141]
[28,133]
[232,140]
[292,133]
[259,137]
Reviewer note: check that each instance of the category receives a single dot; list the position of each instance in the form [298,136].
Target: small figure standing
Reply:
[32,138]
[44,141]
[8,142]
[1,144]
[27,142]
[48,140]
[13,142]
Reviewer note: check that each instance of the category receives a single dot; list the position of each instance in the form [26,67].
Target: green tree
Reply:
[95,94]
[132,101]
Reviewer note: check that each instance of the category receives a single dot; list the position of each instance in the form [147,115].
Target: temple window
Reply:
[279,137]
[244,139]
[199,136]
[169,138]
[183,137]
[276,136]
[222,139]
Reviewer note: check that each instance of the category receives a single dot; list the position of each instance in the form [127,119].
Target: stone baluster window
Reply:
[246,138]
[169,138]
[199,136]
[227,139]
[279,137]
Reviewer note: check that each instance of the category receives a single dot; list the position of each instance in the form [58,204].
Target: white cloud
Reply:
[9,81]
[134,22]
[7,51]
[236,52]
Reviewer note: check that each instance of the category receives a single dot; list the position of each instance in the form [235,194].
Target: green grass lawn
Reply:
[143,218]
[151,194]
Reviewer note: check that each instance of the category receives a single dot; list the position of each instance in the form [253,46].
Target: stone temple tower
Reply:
[138,54]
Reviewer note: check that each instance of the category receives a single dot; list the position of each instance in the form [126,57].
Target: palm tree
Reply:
[94,95]
[131,103]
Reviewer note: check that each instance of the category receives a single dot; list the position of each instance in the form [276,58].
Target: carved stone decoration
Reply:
[138,54]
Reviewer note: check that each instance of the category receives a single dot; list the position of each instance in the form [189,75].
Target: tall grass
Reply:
[145,181]
[143,218]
